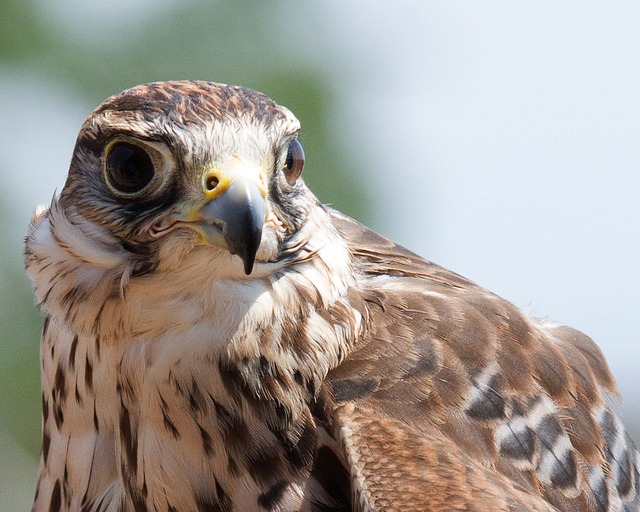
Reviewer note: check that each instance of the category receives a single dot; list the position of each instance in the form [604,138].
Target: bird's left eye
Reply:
[128,167]
[294,163]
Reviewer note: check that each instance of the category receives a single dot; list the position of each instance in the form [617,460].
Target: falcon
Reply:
[216,339]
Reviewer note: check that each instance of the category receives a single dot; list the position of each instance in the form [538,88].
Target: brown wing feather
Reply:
[429,471]
[454,394]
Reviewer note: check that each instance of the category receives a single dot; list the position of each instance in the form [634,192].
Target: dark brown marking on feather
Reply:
[565,473]
[98,341]
[268,379]
[232,466]
[46,442]
[45,297]
[234,430]
[75,295]
[138,502]
[96,328]
[298,449]
[519,445]
[55,504]
[88,374]
[333,477]
[310,386]
[58,414]
[72,353]
[231,378]
[427,361]
[144,261]
[272,497]
[632,474]
[207,442]
[45,410]
[624,483]
[548,430]
[277,413]
[45,326]
[96,423]
[307,445]
[223,498]
[225,419]
[489,405]
[65,473]
[196,399]
[609,430]
[171,379]
[87,505]
[144,267]
[124,386]
[169,425]
[294,333]
[265,366]
[137,495]
[60,385]
[129,441]
[264,467]
[205,502]
[144,489]
[353,389]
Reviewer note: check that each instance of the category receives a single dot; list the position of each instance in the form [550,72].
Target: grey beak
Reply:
[240,212]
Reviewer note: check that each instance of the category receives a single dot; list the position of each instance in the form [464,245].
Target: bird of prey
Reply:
[218,340]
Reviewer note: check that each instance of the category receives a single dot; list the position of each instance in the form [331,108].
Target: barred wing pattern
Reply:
[218,340]
[453,399]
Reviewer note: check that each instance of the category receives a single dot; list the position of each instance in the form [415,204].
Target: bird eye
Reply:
[128,167]
[294,163]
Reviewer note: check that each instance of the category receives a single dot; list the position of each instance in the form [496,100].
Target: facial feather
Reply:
[337,371]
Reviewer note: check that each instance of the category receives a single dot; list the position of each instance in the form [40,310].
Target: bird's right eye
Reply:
[128,167]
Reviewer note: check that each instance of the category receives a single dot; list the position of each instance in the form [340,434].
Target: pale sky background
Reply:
[500,139]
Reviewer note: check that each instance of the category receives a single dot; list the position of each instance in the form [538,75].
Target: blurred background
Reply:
[499,139]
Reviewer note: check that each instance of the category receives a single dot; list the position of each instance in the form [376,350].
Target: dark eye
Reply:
[128,168]
[294,163]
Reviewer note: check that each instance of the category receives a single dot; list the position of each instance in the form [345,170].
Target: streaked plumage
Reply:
[216,339]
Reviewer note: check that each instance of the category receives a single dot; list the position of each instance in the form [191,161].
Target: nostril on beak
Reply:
[211,182]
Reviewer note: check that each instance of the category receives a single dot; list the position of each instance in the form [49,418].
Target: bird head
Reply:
[169,167]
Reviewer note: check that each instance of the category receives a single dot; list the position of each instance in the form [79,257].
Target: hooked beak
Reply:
[233,212]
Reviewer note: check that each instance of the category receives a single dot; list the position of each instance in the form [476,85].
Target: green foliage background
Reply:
[231,42]
[281,48]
